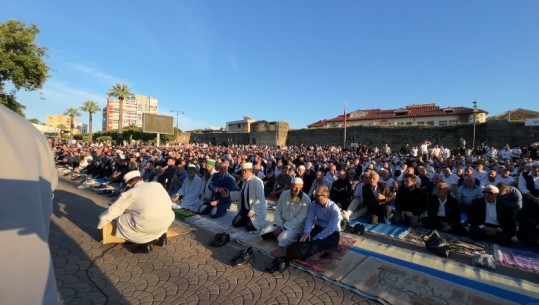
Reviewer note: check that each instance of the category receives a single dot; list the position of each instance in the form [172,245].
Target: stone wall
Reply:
[220,138]
[270,134]
[496,133]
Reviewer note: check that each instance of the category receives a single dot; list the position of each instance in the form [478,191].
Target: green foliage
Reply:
[104,139]
[91,107]
[120,91]
[34,120]
[72,113]
[21,62]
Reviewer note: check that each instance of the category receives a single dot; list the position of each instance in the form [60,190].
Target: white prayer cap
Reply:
[491,188]
[247,165]
[130,175]
[297,180]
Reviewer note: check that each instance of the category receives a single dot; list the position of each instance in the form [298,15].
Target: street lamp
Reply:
[178,112]
[474,121]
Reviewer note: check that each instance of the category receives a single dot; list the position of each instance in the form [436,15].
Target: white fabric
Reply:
[190,191]
[27,181]
[441,207]
[143,213]
[257,200]
[291,216]
[491,214]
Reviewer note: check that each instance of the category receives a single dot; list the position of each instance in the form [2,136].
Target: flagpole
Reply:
[344,140]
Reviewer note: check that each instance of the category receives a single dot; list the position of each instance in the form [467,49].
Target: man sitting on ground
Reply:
[189,193]
[410,202]
[289,215]
[491,219]
[443,212]
[322,227]
[142,213]
[377,196]
[252,207]
[220,185]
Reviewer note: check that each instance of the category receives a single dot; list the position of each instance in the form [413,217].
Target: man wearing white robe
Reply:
[143,213]
[252,207]
[190,191]
[289,217]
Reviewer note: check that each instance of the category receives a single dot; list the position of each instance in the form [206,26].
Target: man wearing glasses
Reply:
[491,220]
[322,230]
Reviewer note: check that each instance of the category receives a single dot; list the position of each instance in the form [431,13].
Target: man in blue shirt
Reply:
[321,231]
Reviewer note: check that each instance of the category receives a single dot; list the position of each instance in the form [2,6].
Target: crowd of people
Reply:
[316,189]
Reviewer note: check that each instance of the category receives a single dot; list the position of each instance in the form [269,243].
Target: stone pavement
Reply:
[187,271]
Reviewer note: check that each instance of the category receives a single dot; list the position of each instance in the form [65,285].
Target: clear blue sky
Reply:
[295,61]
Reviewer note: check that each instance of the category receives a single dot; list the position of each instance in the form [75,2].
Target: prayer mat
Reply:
[182,214]
[392,283]
[395,231]
[524,259]
[321,260]
[453,282]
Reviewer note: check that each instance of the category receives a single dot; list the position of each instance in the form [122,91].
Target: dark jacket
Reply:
[452,210]
[410,200]
[505,215]
[371,201]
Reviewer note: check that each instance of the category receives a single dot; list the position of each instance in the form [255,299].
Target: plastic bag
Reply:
[439,245]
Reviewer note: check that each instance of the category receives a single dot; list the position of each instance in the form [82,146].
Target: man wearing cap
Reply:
[252,207]
[491,220]
[142,213]
[209,170]
[220,185]
[289,216]
[189,193]
[528,184]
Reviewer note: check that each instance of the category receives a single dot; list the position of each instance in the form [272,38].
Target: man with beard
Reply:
[410,202]
[318,181]
[205,192]
[289,215]
[341,190]
[220,185]
[252,207]
[189,193]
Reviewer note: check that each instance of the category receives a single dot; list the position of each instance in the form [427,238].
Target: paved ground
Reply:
[184,272]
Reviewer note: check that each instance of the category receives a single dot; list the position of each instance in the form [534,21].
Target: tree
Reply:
[120,91]
[91,107]
[21,62]
[72,113]
[34,120]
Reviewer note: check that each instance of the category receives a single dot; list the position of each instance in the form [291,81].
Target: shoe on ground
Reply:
[244,257]
[223,239]
[162,241]
[359,229]
[216,238]
[142,248]
[278,265]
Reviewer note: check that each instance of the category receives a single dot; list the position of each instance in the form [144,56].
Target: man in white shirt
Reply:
[451,179]
[289,215]
[492,220]
[189,193]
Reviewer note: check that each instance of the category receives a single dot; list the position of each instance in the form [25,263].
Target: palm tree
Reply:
[91,107]
[121,91]
[72,113]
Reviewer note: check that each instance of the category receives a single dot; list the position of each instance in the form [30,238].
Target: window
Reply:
[430,123]
[409,123]
[453,122]
[239,126]
[420,123]
[442,123]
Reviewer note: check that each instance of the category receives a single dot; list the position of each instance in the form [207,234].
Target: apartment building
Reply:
[134,107]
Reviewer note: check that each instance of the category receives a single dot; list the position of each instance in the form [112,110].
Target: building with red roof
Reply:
[412,115]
